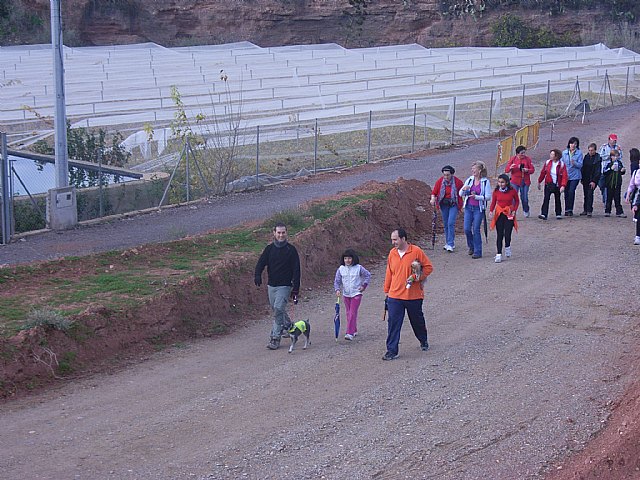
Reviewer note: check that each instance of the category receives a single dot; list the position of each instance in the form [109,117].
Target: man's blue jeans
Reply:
[523,190]
[472,223]
[449,215]
[278,297]
[397,308]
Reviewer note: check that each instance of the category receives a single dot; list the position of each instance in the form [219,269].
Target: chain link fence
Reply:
[216,160]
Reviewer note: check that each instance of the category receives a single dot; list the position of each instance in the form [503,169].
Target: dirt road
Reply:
[527,359]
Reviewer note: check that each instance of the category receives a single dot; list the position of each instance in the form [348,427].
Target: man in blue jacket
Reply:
[283,273]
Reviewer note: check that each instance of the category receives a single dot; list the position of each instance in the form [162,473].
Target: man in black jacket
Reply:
[591,172]
[283,273]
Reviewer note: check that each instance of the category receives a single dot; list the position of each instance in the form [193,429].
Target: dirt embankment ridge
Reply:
[198,307]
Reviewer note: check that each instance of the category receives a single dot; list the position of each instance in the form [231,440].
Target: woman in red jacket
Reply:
[554,176]
[504,204]
[446,197]
[520,168]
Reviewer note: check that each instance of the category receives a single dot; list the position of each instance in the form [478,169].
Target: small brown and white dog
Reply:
[296,329]
[416,273]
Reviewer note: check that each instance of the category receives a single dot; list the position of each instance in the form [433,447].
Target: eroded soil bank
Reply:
[197,307]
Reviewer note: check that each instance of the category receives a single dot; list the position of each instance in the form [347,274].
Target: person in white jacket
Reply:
[352,278]
[632,197]
[476,193]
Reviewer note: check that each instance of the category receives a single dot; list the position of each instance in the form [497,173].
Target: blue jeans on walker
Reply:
[523,190]
[472,222]
[570,195]
[397,307]
[449,215]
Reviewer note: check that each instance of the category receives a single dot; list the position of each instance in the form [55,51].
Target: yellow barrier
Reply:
[534,135]
[521,136]
[505,148]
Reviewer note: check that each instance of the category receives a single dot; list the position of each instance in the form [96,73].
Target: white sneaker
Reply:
[507,251]
[348,336]
[526,214]
[636,241]
[498,258]
[448,248]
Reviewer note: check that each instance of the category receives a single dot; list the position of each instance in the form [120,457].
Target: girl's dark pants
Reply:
[504,227]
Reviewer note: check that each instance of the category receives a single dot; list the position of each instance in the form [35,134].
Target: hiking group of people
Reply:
[408,266]
[561,174]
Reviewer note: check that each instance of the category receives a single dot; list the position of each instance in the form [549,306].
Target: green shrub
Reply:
[511,31]
[46,317]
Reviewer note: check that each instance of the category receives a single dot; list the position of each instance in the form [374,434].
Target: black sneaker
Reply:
[542,217]
[389,356]
[273,344]
[470,252]
[424,346]
[582,214]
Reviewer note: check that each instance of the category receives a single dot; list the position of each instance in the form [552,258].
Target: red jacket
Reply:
[513,169]
[506,199]
[545,174]
[438,185]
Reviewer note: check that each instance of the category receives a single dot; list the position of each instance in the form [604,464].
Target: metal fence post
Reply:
[426,139]
[524,85]
[186,157]
[453,121]
[369,137]
[413,133]
[100,189]
[315,147]
[546,104]
[5,201]
[490,111]
[257,156]
[626,87]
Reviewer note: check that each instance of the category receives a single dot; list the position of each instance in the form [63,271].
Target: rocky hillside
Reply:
[352,23]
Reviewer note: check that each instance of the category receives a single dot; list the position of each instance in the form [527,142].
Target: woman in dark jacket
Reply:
[591,171]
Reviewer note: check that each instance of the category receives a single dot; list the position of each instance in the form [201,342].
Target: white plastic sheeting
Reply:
[127,86]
